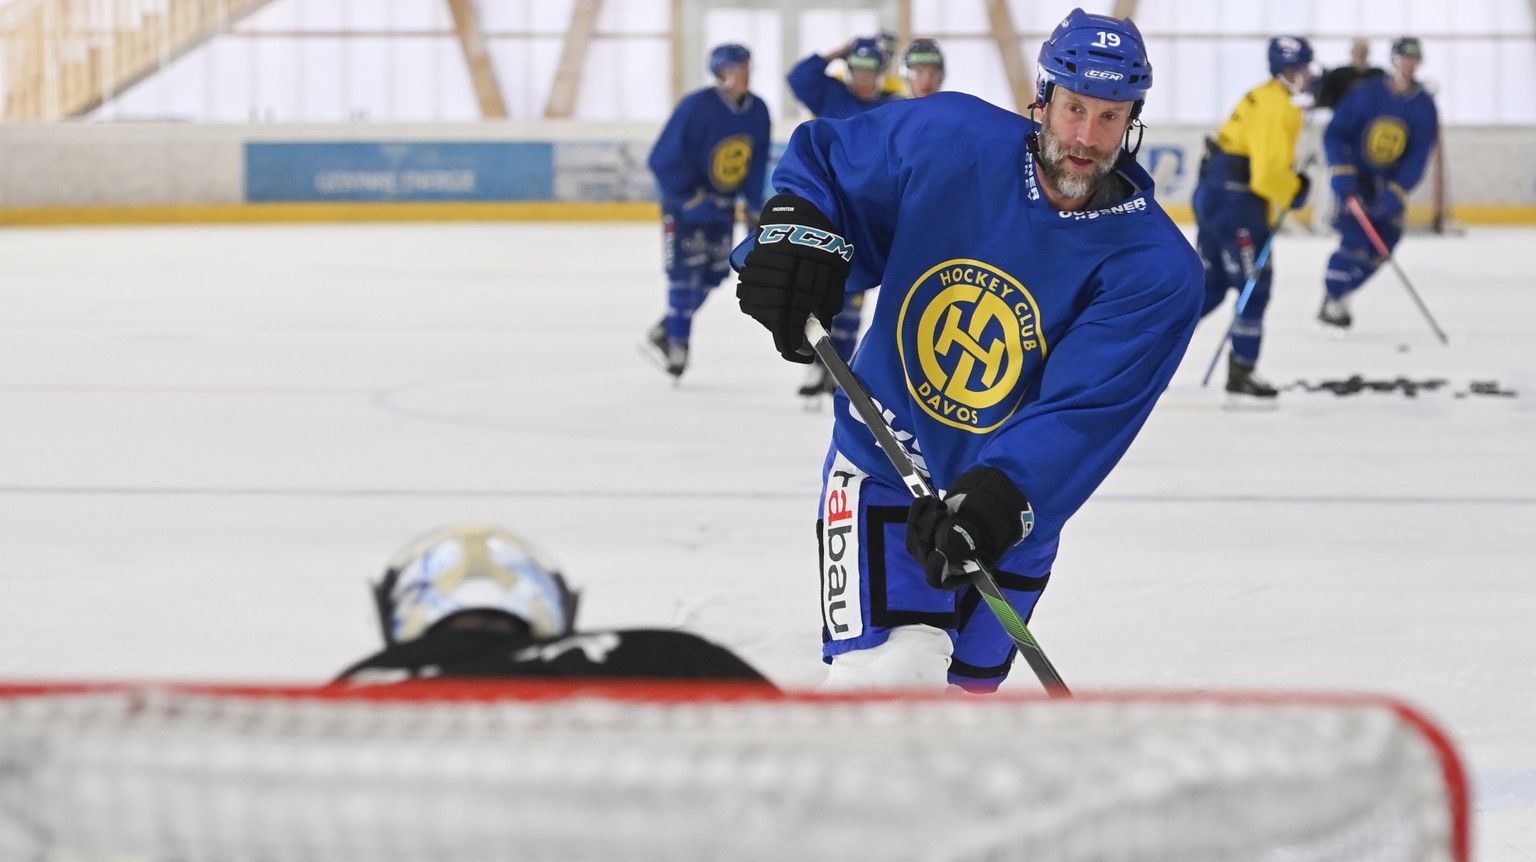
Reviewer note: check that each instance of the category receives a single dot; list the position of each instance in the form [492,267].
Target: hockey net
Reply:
[500,771]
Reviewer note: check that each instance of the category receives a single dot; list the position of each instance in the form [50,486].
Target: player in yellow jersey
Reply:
[1247,179]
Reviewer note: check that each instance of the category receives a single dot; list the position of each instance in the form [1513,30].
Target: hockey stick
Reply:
[1381,249]
[1242,298]
[981,577]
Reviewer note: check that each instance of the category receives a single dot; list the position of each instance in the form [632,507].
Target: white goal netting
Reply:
[507,772]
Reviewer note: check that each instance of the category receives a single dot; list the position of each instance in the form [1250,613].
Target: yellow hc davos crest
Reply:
[1385,141]
[972,340]
[730,161]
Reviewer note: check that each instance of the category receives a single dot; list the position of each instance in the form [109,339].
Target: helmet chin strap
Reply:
[1032,140]
[1141,130]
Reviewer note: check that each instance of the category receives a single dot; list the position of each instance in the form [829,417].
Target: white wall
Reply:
[158,164]
[403,63]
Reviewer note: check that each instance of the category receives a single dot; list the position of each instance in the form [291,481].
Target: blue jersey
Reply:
[1008,334]
[825,95]
[711,151]
[1384,135]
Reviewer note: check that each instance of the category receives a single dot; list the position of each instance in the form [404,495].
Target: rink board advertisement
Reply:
[399,171]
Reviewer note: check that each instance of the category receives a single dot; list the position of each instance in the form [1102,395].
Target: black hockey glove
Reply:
[1303,193]
[797,269]
[983,515]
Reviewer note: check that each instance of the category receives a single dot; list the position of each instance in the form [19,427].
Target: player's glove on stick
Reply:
[983,515]
[797,269]
[1303,193]
[1345,185]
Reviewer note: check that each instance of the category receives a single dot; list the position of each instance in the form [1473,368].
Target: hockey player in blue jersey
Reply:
[1378,145]
[1035,301]
[713,150]
[826,96]
[923,67]
[1247,179]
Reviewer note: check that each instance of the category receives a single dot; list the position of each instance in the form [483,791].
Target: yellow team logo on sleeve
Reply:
[730,162]
[971,344]
[1385,140]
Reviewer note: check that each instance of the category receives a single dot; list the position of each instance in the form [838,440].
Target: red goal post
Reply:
[483,771]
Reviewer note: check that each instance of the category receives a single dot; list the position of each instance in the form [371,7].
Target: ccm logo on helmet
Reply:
[1103,75]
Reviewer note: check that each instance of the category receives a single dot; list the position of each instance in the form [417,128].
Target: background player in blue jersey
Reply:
[827,96]
[923,66]
[1035,301]
[1378,145]
[1246,180]
[713,149]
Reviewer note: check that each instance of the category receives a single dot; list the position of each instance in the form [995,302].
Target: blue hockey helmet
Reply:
[729,54]
[1095,55]
[923,52]
[1408,46]
[1288,52]
[867,54]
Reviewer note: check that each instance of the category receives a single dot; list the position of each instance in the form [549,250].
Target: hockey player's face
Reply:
[736,79]
[925,80]
[1079,140]
[865,83]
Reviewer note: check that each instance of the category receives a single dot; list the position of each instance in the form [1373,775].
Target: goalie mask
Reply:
[472,568]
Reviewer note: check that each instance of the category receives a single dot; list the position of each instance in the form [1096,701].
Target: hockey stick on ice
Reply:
[981,577]
[1242,298]
[1381,249]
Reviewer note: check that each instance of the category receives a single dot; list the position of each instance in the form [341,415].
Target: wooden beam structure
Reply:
[482,72]
[1020,81]
[573,58]
[680,56]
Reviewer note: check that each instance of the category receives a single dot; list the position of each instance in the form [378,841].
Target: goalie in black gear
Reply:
[477,601]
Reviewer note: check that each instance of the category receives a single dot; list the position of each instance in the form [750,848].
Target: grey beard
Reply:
[1053,155]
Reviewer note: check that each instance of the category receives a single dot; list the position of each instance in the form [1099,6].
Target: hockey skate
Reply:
[1334,315]
[668,355]
[1246,389]
[818,382]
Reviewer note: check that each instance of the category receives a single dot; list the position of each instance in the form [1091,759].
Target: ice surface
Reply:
[214,436]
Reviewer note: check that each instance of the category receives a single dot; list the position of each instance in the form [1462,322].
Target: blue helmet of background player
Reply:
[923,52]
[1408,46]
[472,568]
[1095,55]
[1288,52]
[729,54]
[867,55]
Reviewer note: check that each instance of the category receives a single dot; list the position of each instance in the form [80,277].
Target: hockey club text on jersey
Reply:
[974,329]
[799,234]
[1134,205]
